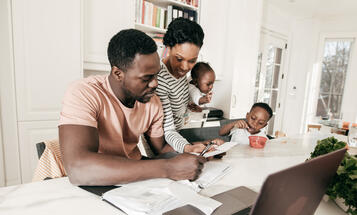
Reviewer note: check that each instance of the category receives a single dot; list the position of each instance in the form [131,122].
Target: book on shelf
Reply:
[150,14]
[174,12]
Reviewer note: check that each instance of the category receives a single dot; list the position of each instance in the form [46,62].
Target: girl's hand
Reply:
[241,124]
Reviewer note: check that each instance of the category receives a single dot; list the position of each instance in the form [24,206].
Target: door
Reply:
[270,77]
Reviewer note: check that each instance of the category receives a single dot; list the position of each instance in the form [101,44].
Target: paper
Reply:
[188,196]
[139,200]
[211,173]
[220,149]
[156,196]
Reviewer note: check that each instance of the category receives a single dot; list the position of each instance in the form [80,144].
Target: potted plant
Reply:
[344,183]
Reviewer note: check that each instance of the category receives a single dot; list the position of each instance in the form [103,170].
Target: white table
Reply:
[250,168]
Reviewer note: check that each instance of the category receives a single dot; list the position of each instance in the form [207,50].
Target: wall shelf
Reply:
[149,29]
[165,3]
[96,66]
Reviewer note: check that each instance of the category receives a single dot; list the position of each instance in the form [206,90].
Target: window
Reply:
[334,69]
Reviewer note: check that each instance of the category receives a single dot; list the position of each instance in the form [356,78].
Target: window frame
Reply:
[317,71]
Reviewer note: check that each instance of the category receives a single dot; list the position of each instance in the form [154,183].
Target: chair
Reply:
[279,134]
[339,131]
[311,127]
[205,133]
[50,163]
[40,148]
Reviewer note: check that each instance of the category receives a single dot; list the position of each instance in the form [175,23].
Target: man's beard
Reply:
[129,94]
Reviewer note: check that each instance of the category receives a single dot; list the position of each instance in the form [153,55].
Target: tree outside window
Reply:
[333,76]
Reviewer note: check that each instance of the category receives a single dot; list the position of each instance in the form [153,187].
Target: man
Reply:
[103,117]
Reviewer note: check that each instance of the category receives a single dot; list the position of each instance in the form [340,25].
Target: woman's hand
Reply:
[196,147]
[218,141]
[194,108]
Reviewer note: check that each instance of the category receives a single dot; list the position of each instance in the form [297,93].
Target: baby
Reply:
[255,120]
[201,85]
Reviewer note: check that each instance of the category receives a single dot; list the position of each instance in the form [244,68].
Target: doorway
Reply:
[269,83]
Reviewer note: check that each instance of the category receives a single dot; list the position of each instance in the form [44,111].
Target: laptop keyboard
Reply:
[244,211]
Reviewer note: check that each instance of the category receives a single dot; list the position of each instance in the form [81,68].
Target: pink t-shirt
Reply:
[91,102]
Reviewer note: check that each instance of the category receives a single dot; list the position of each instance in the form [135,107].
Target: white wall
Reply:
[303,49]
[7,101]
[276,20]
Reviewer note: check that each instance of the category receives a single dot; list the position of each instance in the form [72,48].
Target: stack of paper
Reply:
[141,200]
[157,196]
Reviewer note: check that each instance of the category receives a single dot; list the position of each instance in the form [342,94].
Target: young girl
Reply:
[252,125]
[201,84]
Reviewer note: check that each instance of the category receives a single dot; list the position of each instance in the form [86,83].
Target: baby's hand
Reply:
[241,124]
[207,98]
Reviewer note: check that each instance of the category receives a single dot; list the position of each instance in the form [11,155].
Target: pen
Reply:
[206,149]
[203,120]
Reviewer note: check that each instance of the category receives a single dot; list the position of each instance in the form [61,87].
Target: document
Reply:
[211,173]
[156,196]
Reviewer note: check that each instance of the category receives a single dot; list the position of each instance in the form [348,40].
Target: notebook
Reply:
[296,190]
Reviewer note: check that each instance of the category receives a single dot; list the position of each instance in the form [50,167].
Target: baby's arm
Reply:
[227,128]
[205,99]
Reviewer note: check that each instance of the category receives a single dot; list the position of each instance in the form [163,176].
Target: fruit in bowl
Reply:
[257,142]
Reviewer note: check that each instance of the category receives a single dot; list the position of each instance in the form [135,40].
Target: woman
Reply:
[184,39]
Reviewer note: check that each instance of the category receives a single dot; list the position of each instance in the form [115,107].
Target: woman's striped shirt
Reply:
[174,97]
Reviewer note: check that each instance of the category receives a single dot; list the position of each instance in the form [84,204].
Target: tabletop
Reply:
[250,167]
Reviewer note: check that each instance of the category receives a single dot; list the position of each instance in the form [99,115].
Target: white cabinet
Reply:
[30,134]
[102,20]
[46,56]
[47,45]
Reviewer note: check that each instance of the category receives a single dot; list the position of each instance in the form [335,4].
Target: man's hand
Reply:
[185,166]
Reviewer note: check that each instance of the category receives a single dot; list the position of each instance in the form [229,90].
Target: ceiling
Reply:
[317,8]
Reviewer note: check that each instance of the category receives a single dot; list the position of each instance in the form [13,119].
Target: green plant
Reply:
[344,183]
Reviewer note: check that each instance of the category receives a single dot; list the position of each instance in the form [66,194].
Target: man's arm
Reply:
[158,145]
[85,166]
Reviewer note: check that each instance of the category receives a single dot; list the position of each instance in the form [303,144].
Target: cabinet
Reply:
[103,19]
[44,57]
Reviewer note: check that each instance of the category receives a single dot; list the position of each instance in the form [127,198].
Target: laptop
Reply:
[297,190]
